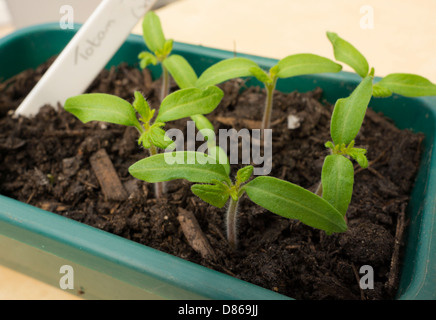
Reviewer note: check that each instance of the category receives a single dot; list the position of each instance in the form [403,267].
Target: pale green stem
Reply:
[266,122]
[165,83]
[231,218]
[318,191]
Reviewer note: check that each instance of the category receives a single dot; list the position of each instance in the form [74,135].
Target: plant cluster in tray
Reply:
[326,208]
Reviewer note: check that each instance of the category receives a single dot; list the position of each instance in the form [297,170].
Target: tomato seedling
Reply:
[337,177]
[160,48]
[178,105]
[291,66]
[213,185]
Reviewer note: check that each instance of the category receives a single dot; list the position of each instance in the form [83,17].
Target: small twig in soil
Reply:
[194,235]
[278,121]
[108,178]
[86,183]
[375,172]
[362,294]
[217,231]
[230,121]
[392,282]
[31,197]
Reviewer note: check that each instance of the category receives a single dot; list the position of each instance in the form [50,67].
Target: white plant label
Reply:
[87,53]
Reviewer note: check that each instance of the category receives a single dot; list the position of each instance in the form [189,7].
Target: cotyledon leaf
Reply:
[305,63]
[102,107]
[294,202]
[337,180]
[348,114]
[189,102]
[225,70]
[189,165]
[181,71]
[408,85]
[347,53]
[152,31]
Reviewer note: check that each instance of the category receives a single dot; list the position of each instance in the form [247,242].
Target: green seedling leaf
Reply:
[348,114]
[152,31]
[147,58]
[380,92]
[305,63]
[168,47]
[181,71]
[329,145]
[226,70]
[189,102]
[347,53]
[212,194]
[102,107]
[164,167]
[337,180]
[159,138]
[260,75]
[360,156]
[220,155]
[273,71]
[144,139]
[244,174]
[205,126]
[202,123]
[163,53]
[408,85]
[142,107]
[294,202]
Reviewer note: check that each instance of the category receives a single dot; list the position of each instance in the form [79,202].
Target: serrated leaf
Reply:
[102,107]
[293,202]
[147,58]
[141,106]
[337,180]
[329,145]
[244,174]
[360,156]
[408,85]
[159,138]
[164,167]
[212,194]
[181,71]
[152,31]
[144,139]
[348,114]
[225,70]
[305,63]
[189,102]
[347,53]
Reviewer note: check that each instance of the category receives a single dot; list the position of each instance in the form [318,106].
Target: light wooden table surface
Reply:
[403,39]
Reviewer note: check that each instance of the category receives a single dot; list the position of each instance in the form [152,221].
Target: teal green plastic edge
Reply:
[162,274]
[418,276]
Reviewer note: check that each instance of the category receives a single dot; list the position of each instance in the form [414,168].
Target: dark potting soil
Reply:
[46,162]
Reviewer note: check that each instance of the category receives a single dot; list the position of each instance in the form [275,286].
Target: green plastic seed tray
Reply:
[106,266]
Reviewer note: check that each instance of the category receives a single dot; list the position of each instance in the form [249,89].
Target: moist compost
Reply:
[52,161]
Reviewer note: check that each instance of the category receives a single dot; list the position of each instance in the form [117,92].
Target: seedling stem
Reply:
[270,87]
